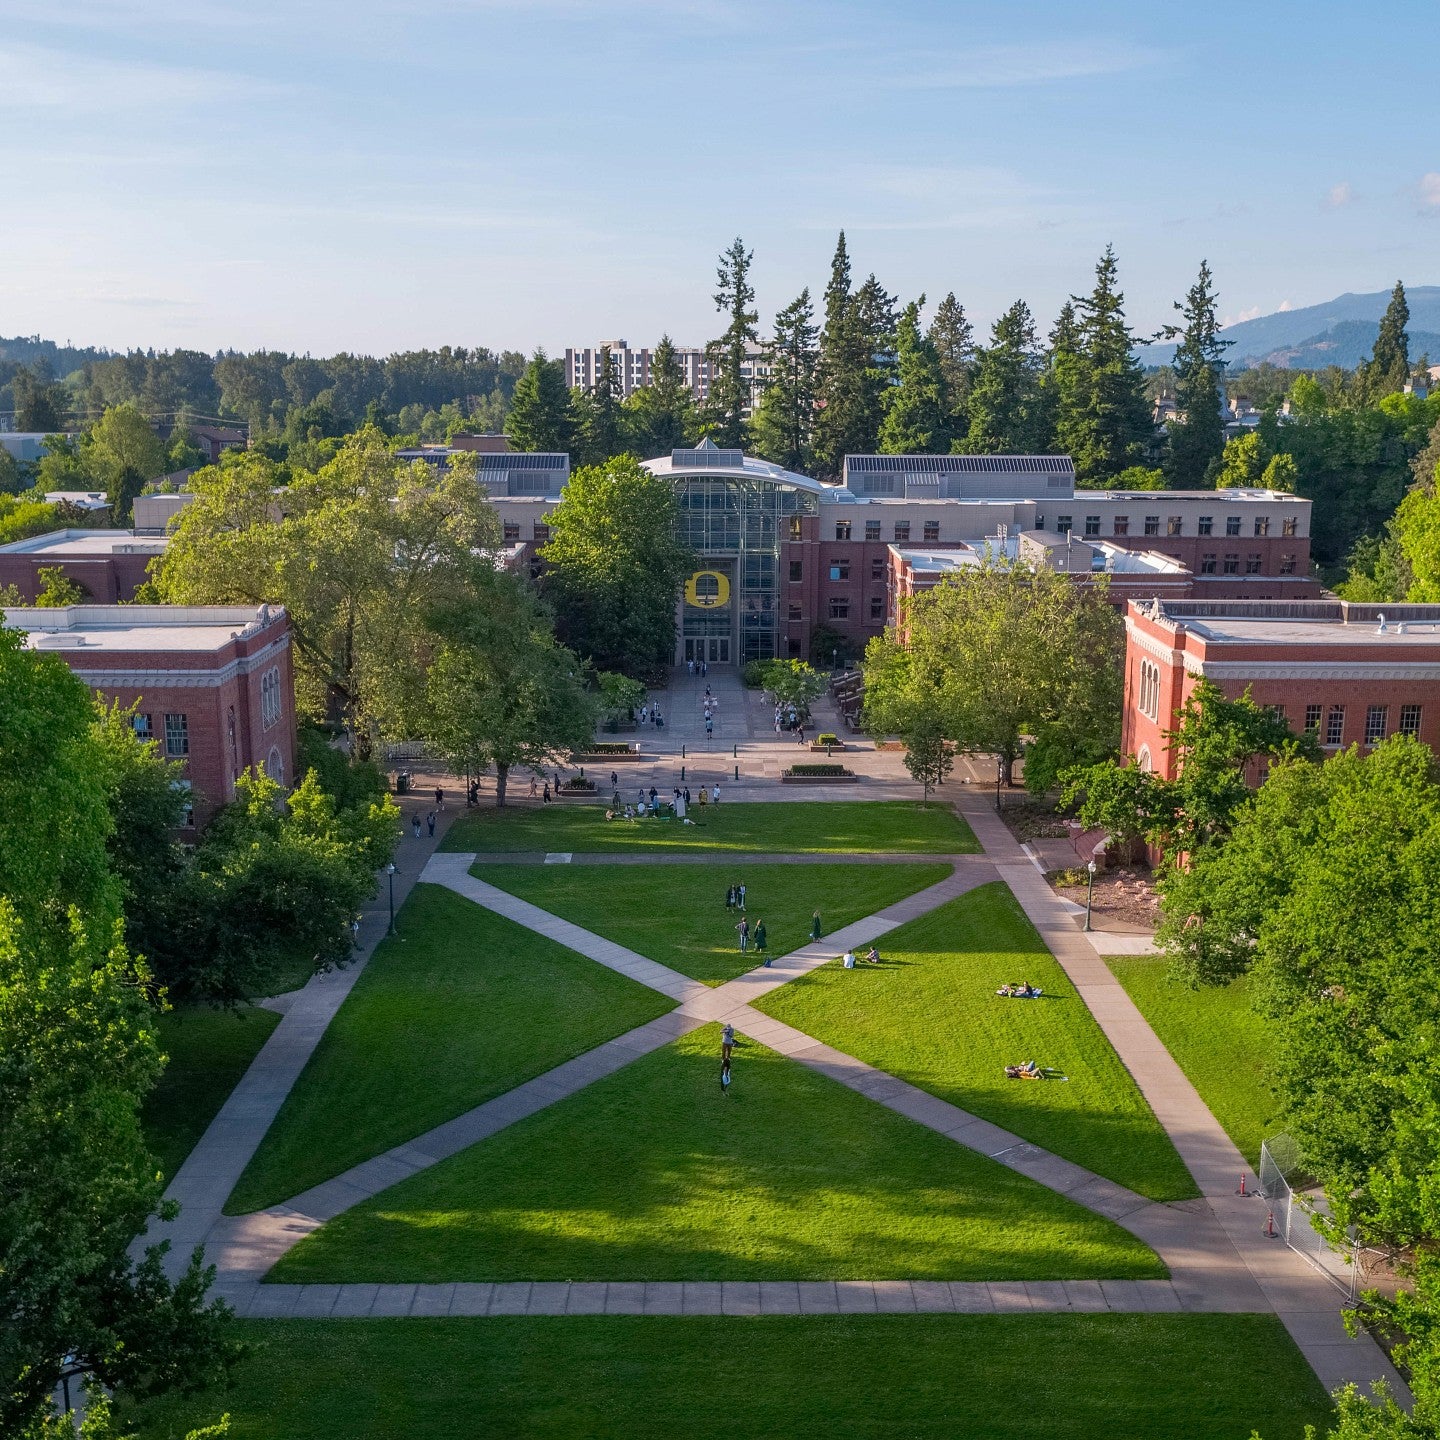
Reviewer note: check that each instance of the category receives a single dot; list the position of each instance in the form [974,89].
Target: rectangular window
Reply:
[1152,524]
[1287,525]
[1205,525]
[1287,564]
[1175,525]
[795,613]
[842,529]
[512,532]
[1232,524]
[839,609]
[1252,563]
[187,806]
[1209,563]
[839,569]
[177,736]
[542,532]
[902,531]
[144,730]
[1375,717]
[797,570]
[1312,718]
[1092,524]
[877,567]
[877,607]
[932,530]
[1410,719]
[1062,524]
[1262,525]
[1335,726]
[1122,525]
[1232,564]
[1277,712]
[872,529]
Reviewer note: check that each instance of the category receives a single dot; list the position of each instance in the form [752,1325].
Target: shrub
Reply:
[827,739]
[578,782]
[830,771]
[608,747]
[752,676]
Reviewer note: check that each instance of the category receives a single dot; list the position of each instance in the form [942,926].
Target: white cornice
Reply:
[1152,646]
[1311,669]
[177,679]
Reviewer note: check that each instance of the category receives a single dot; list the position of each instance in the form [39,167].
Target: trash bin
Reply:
[402,782]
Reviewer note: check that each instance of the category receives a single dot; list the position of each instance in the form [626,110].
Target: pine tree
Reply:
[786,416]
[916,418]
[953,337]
[596,415]
[539,417]
[1389,365]
[660,417]
[1196,441]
[836,378]
[1006,410]
[1114,420]
[729,386]
[1063,384]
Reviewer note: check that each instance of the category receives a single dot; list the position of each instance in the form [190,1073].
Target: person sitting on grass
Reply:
[1029,1070]
[1020,990]
[872,956]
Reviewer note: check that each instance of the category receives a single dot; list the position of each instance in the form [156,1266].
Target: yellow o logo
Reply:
[707,589]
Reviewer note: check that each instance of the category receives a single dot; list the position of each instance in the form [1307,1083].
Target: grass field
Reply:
[778,827]
[209,1051]
[654,1174]
[930,1015]
[1217,1039]
[676,913]
[465,1005]
[876,1377]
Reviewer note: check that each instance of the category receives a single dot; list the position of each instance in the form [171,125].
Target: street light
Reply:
[390,871]
[1089,893]
[999,776]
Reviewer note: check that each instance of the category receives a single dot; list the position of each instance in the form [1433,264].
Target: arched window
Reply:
[1144,761]
[275,765]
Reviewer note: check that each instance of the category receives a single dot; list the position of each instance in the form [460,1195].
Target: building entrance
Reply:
[714,649]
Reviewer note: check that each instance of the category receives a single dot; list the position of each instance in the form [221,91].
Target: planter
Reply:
[826,749]
[890,745]
[604,756]
[848,778]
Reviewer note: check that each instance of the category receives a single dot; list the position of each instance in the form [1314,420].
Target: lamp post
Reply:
[390,871]
[999,776]
[1089,893]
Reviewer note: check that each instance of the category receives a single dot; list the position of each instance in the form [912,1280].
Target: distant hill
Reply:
[1339,332]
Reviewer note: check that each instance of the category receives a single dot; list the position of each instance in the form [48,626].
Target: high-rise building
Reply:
[582,368]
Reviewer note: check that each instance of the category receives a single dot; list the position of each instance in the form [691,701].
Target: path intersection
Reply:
[1213,1246]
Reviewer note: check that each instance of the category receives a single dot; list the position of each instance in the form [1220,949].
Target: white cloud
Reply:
[989,67]
[1430,190]
[1339,196]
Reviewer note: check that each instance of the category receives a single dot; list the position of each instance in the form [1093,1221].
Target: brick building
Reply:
[109,564]
[214,684]
[1352,674]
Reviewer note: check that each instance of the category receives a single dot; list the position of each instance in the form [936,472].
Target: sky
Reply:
[377,175]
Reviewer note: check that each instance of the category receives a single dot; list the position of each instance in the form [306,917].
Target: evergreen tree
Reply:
[1197,440]
[40,403]
[729,386]
[837,376]
[539,416]
[1006,407]
[1389,365]
[916,419]
[1062,386]
[786,415]
[596,417]
[660,417]
[1113,424]
[953,337]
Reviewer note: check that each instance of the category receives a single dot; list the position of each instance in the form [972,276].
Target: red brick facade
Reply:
[1327,665]
[110,564]
[214,685]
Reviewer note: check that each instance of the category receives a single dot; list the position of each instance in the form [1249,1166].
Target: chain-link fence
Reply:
[1293,1213]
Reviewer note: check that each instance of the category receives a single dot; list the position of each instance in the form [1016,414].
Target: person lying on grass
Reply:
[1031,1071]
[1022,991]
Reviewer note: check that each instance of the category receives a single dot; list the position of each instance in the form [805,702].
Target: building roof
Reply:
[111,628]
[80,499]
[708,460]
[1297,623]
[86,544]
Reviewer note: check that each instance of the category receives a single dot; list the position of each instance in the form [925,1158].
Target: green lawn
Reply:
[930,1015]
[465,1005]
[874,1377]
[807,827]
[209,1050]
[654,1174]
[1217,1039]
[676,913]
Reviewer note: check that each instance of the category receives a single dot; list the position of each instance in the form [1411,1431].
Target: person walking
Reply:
[815,926]
[614,780]
[709,727]
[546,795]
[415,825]
[430,824]
[687,794]
[644,714]
[760,941]
[715,794]
[727,1040]
[744,928]
[740,894]
[439,798]
[730,898]
[725,1076]
[534,789]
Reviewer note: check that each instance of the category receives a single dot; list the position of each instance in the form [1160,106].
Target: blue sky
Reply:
[381,174]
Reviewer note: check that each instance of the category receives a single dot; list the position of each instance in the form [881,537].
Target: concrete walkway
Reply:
[1306,1302]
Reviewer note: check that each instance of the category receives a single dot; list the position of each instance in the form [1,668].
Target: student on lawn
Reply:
[815,926]
[744,928]
[760,941]
[727,1040]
